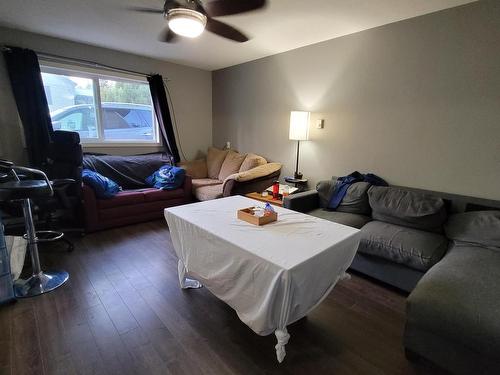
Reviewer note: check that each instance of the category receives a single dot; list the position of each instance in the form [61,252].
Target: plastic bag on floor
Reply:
[16,247]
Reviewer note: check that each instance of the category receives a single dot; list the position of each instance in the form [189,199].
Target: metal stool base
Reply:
[40,283]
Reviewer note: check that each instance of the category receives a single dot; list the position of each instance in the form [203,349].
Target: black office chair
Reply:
[60,212]
[64,168]
[33,185]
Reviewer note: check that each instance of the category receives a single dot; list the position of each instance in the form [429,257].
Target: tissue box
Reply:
[246,214]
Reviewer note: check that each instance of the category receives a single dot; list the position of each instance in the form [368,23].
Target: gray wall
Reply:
[416,102]
[191,91]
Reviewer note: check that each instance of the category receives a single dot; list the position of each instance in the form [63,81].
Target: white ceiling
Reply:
[283,25]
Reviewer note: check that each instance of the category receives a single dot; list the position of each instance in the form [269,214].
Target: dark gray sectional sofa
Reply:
[453,315]
[402,230]
[444,249]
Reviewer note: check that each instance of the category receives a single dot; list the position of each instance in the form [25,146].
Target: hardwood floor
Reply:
[122,312]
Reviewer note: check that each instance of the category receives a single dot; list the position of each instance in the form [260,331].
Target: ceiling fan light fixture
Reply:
[186,22]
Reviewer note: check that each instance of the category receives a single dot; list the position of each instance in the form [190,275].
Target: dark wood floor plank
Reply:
[26,356]
[164,343]
[122,312]
[77,332]
[196,346]
[6,343]
[167,285]
[54,347]
[113,350]
[97,274]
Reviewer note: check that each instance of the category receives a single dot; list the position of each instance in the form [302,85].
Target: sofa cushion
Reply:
[355,200]
[123,198]
[104,187]
[345,218]
[123,215]
[195,168]
[252,161]
[458,299]
[127,171]
[215,158]
[407,208]
[199,182]
[231,164]
[481,227]
[205,193]
[154,195]
[412,247]
[325,190]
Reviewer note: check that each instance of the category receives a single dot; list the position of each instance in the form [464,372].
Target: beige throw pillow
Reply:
[215,158]
[252,161]
[195,168]
[231,164]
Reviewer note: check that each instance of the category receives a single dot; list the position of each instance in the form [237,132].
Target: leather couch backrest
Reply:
[407,208]
[478,227]
[355,201]
[129,172]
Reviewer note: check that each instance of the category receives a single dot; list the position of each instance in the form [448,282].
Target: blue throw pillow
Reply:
[167,178]
[102,186]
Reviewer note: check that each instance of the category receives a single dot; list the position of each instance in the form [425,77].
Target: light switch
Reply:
[320,124]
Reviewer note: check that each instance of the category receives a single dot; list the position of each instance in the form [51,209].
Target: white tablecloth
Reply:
[271,275]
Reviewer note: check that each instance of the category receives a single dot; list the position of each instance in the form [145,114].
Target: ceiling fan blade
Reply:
[168,36]
[199,6]
[146,10]
[217,8]
[226,31]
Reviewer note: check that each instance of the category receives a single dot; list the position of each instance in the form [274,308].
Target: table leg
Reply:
[345,276]
[184,281]
[283,337]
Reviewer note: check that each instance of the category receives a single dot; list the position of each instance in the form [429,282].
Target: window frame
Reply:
[95,75]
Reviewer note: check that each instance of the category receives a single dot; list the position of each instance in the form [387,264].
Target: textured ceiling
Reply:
[283,25]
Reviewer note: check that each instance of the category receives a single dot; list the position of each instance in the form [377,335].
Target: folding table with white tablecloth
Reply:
[271,275]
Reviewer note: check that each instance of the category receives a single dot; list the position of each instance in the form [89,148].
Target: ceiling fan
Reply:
[189,18]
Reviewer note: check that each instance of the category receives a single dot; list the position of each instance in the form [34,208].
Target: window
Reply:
[101,108]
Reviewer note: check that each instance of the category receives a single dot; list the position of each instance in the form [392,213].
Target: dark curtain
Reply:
[162,111]
[27,86]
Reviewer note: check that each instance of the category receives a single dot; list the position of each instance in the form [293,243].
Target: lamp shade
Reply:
[299,125]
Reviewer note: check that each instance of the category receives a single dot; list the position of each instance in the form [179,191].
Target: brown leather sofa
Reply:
[136,202]
[131,206]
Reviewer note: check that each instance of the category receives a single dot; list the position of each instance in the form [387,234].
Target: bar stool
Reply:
[24,190]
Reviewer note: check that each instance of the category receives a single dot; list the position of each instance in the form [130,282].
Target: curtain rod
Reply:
[85,63]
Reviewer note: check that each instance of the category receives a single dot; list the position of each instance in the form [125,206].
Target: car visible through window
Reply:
[121,121]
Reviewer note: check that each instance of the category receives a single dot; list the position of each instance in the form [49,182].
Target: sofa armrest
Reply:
[257,172]
[255,179]
[90,214]
[302,202]
[233,187]
[188,188]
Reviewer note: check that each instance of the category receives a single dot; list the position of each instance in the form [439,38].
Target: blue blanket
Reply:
[103,187]
[344,182]
[167,178]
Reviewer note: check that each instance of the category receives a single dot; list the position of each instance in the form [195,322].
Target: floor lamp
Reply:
[299,131]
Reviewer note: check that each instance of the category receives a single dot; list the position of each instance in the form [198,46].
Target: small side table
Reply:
[300,183]
[267,199]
